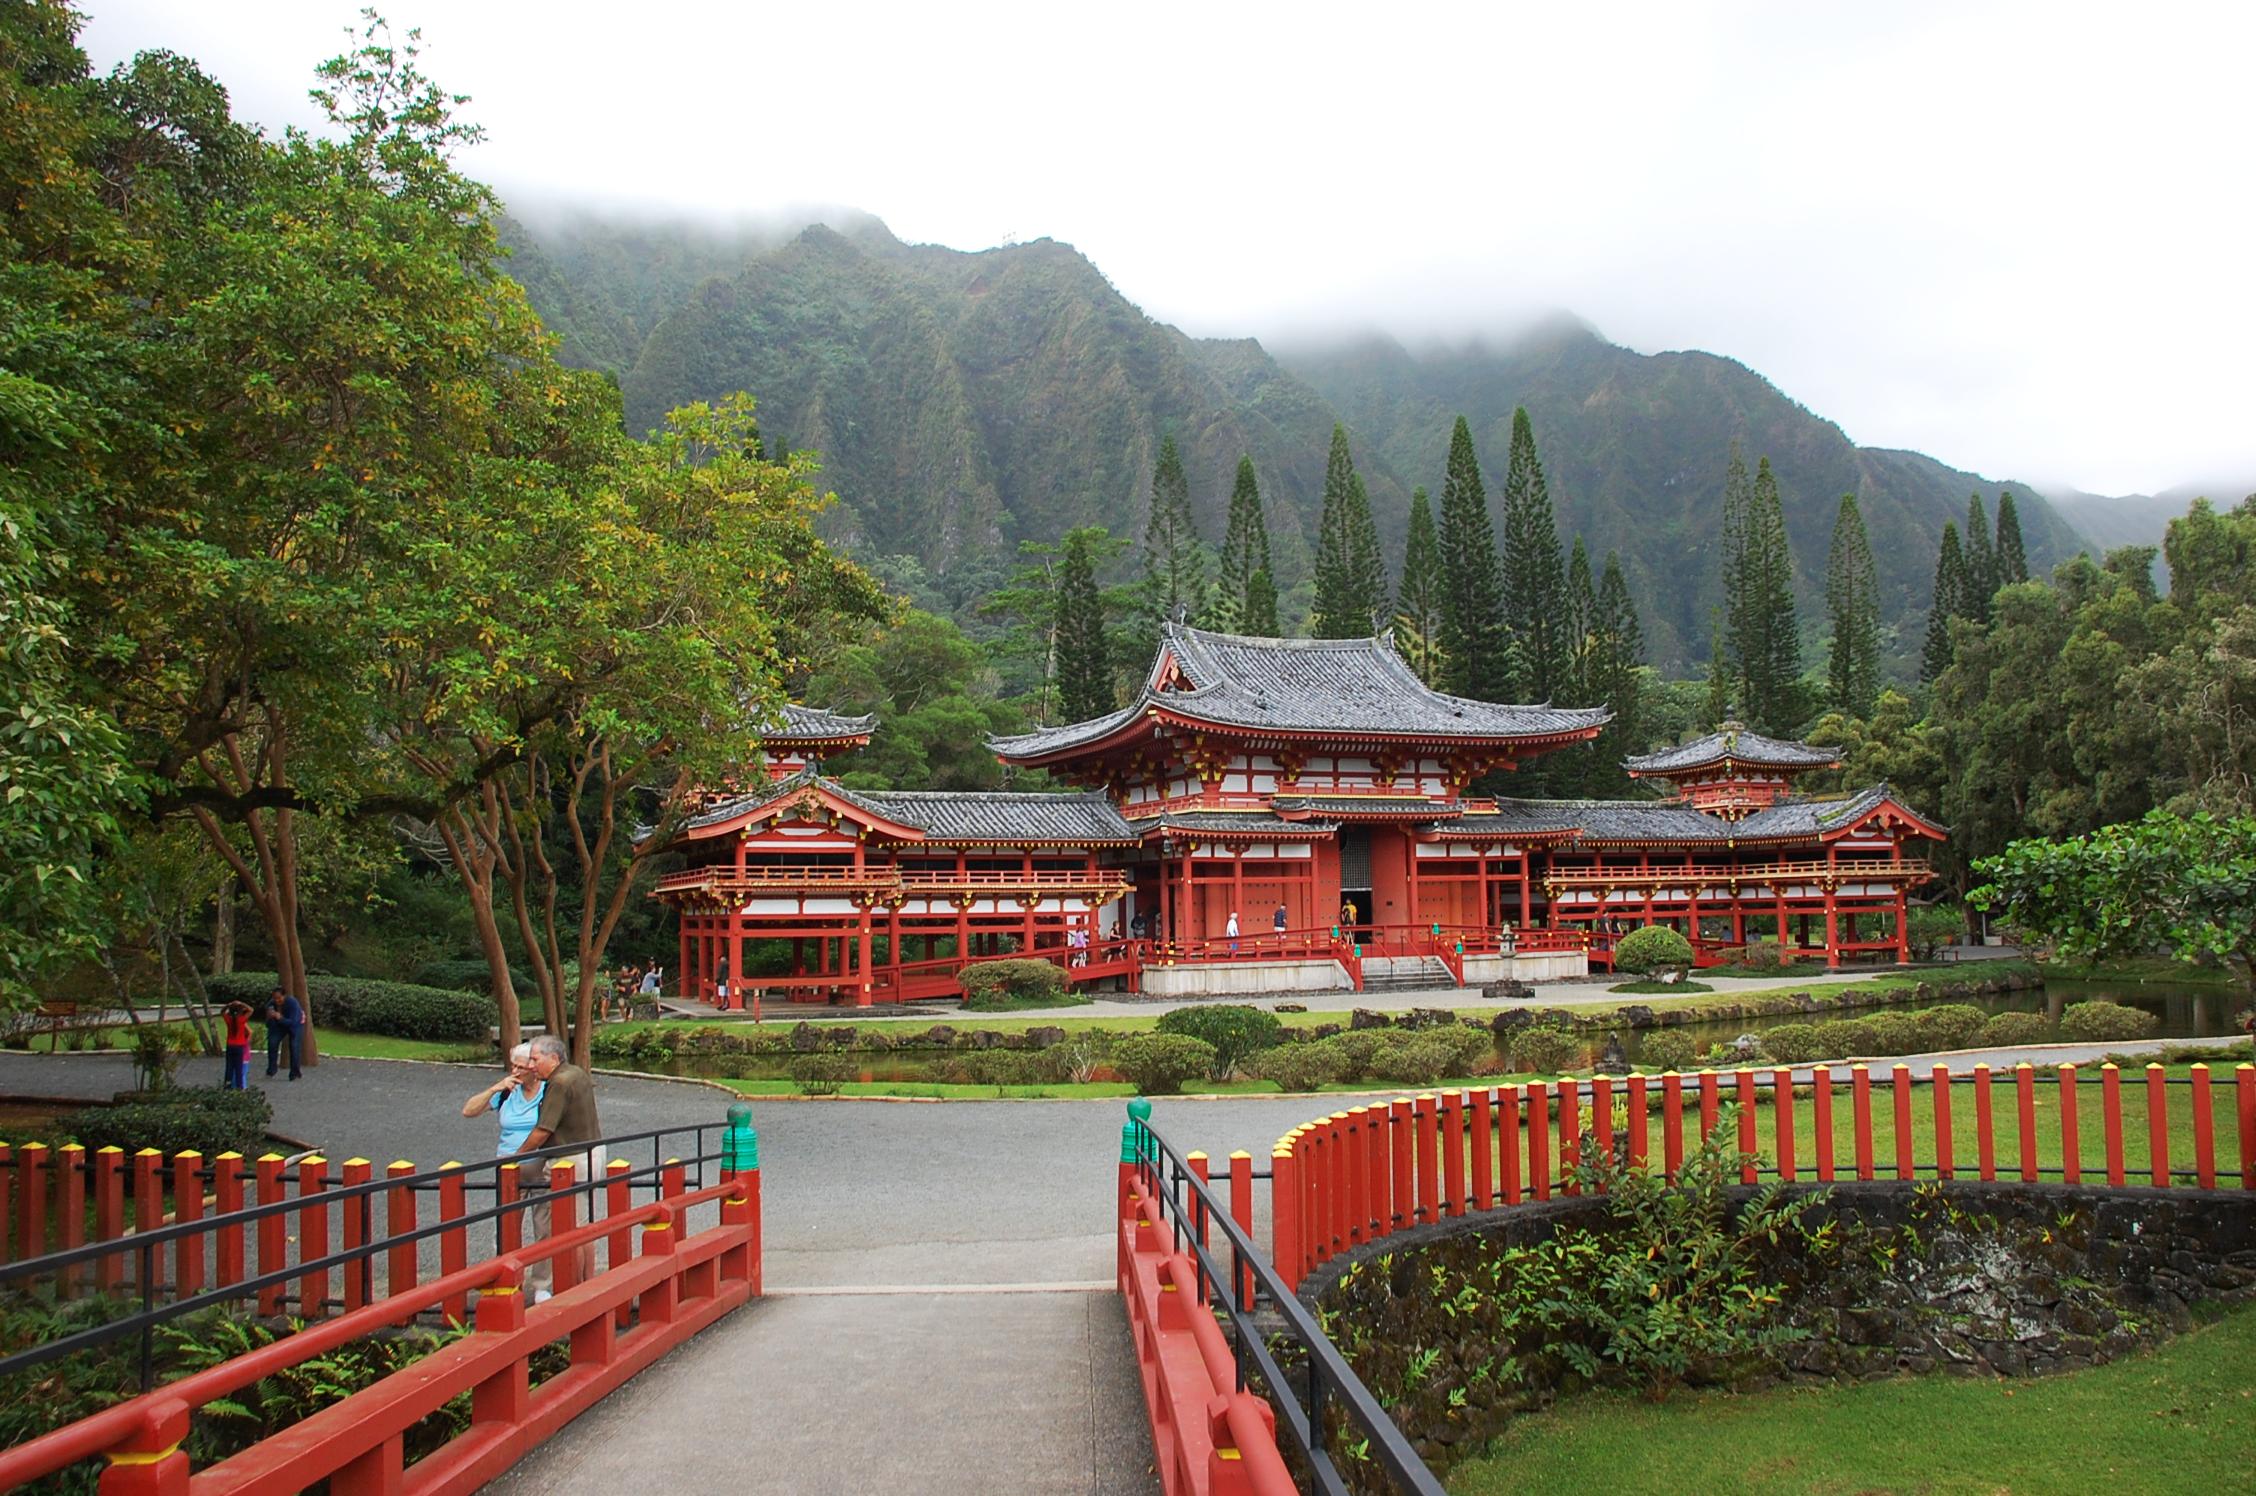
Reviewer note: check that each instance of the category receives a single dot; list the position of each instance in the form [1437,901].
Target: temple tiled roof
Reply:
[1405,806]
[1731,741]
[813,724]
[1355,687]
[1228,822]
[1002,816]
[1797,818]
[952,815]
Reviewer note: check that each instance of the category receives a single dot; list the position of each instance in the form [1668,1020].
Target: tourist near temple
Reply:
[1315,790]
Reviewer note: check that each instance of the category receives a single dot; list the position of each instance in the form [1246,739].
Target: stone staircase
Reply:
[1405,974]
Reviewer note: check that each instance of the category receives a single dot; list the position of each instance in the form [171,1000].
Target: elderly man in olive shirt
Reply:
[567,1118]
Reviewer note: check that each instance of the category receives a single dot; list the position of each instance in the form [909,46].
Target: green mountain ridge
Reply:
[963,401]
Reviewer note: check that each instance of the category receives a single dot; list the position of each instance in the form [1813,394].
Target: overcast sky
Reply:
[2016,237]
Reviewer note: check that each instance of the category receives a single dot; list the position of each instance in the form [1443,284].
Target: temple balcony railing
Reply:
[1875,870]
[891,883]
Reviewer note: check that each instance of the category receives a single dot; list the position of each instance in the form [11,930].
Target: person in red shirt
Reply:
[238,1047]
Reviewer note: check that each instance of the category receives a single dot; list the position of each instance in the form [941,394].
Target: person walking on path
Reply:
[1230,931]
[515,1099]
[285,1024]
[238,1048]
[567,1119]
[1277,923]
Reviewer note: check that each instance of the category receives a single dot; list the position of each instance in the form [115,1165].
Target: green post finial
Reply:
[740,1145]
[1139,1114]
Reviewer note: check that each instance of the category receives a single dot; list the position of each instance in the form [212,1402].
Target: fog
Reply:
[2014,237]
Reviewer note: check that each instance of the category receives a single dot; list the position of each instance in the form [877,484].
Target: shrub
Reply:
[471,975]
[157,1052]
[1893,1033]
[1951,1026]
[1158,1064]
[1235,1030]
[1300,1067]
[1665,1049]
[1418,1060]
[1544,1051]
[1652,948]
[821,1074]
[2014,1029]
[1933,928]
[1076,1058]
[1791,1043]
[1001,1067]
[397,1010]
[992,985]
[1469,1047]
[203,1119]
[1842,1038]
[1356,1049]
[2102,1022]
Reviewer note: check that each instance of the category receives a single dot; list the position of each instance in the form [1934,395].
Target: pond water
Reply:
[2184,1013]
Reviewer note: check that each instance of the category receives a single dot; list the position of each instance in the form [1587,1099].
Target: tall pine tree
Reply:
[1769,642]
[1261,606]
[1245,555]
[1949,602]
[1981,560]
[1852,604]
[1350,572]
[1722,675]
[1581,628]
[1534,588]
[1418,602]
[1617,650]
[1738,498]
[1084,655]
[1174,560]
[1476,645]
[2009,556]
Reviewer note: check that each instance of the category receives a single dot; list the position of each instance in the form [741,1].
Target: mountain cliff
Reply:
[962,402]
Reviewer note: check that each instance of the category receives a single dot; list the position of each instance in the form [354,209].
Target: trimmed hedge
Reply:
[1665,1049]
[1545,1051]
[201,1119]
[1652,948]
[1300,1067]
[2011,1029]
[2105,1022]
[1158,1064]
[1951,1026]
[470,975]
[1015,983]
[1236,1031]
[397,1010]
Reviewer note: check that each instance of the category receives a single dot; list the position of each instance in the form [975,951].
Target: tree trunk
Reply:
[223,933]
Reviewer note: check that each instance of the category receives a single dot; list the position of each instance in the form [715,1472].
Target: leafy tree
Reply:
[1084,656]
[1233,607]
[1419,602]
[937,697]
[1029,648]
[1534,590]
[1350,573]
[1891,744]
[1174,558]
[2009,556]
[1950,601]
[1476,642]
[1738,501]
[1852,604]
[1981,560]
[2184,884]
[1766,636]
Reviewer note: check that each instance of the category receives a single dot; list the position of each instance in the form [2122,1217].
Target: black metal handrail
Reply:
[1250,1282]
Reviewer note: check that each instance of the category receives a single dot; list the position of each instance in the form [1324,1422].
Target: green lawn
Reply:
[2180,1418]
[346,1046]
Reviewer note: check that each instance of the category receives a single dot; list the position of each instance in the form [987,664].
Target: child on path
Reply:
[238,1076]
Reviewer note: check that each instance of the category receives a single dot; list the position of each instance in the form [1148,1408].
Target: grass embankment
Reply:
[2139,971]
[2181,1417]
[338,1044]
[1660,989]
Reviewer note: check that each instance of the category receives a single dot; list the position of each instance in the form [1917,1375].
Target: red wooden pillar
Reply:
[1539,1140]
[1484,1149]
[1945,1165]
[2071,1147]
[109,1213]
[1508,1141]
[2204,1132]
[1638,1122]
[1453,1151]
[1985,1137]
[73,1173]
[2111,1121]
[1782,1119]
[31,1201]
[454,1245]
[399,1220]
[1903,932]
[1860,1101]
[1427,1127]
[2158,1126]
[1821,1120]
[1901,1077]
[187,1207]
[2025,1105]
[354,1220]
[1832,930]
[1672,1124]
[313,1236]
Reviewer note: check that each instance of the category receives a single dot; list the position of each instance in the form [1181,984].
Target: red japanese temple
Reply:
[1314,789]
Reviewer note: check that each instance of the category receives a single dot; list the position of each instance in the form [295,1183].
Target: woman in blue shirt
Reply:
[515,1098]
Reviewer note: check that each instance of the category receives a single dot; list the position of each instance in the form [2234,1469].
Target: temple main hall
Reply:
[1275,815]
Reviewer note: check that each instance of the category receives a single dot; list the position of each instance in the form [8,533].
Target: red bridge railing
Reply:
[661,1281]
[1364,1173]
